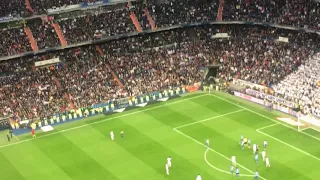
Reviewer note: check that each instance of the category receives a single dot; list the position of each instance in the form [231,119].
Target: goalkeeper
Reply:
[245,141]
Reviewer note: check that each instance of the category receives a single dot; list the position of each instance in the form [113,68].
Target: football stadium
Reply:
[159,90]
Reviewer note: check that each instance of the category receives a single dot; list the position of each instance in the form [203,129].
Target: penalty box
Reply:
[263,131]
[251,172]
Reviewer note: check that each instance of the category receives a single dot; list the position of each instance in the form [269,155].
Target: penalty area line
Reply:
[196,141]
[313,129]
[208,119]
[276,122]
[218,169]
[304,129]
[265,127]
[266,117]
[293,147]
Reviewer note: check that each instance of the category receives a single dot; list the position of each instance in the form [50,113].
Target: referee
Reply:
[9,135]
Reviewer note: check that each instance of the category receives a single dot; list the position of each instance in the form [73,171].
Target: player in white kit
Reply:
[169,161]
[233,160]
[265,143]
[112,135]
[198,177]
[167,169]
[254,148]
[263,153]
[267,162]
[208,143]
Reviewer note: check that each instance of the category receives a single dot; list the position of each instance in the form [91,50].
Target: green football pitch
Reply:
[177,128]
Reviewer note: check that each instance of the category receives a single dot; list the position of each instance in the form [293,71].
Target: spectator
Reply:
[302,87]
[107,21]
[44,34]
[184,12]
[298,13]
[13,8]
[14,41]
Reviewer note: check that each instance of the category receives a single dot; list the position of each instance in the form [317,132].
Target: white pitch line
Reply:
[265,127]
[185,135]
[16,137]
[218,169]
[293,147]
[265,117]
[208,119]
[314,129]
[306,153]
[305,128]
[97,122]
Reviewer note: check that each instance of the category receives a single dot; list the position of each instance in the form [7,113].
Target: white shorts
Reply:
[167,169]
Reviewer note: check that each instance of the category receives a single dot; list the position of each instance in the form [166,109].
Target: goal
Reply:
[308,122]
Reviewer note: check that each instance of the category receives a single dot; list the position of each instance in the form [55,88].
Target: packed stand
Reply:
[145,42]
[177,12]
[13,41]
[260,62]
[303,86]
[44,34]
[96,24]
[145,69]
[301,13]
[41,6]
[87,78]
[38,92]
[30,94]
[151,71]
[298,13]
[137,7]
[152,62]
[30,91]
[13,8]
[259,57]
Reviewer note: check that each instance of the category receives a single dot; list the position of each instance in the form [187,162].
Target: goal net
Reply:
[308,123]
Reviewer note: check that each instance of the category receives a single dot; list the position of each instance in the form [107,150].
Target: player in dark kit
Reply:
[33,133]
[10,132]
[8,136]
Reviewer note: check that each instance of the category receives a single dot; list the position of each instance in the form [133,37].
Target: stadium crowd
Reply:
[41,6]
[106,21]
[13,8]
[13,41]
[95,24]
[153,62]
[184,12]
[137,7]
[145,64]
[302,86]
[297,13]
[44,34]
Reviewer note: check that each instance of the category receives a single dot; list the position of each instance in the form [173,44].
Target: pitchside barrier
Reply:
[113,106]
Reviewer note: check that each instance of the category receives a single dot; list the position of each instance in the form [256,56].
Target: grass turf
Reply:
[176,128]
